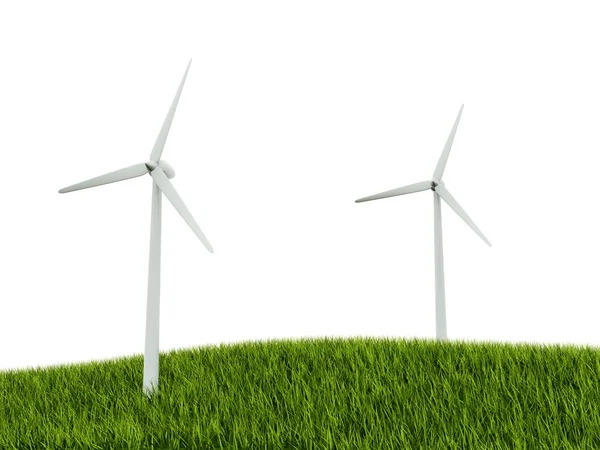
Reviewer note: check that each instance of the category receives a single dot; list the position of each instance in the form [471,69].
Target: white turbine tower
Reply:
[160,172]
[439,190]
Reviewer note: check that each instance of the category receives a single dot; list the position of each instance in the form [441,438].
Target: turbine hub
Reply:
[434,183]
[165,166]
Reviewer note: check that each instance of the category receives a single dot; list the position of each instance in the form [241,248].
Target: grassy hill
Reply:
[327,393]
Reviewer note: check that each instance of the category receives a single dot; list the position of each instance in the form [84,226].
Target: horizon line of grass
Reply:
[321,393]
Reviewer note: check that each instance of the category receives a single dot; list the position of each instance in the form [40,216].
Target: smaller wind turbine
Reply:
[161,172]
[439,190]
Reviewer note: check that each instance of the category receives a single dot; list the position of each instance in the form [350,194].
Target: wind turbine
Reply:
[439,191]
[161,172]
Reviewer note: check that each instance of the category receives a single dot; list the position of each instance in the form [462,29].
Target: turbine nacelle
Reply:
[165,166]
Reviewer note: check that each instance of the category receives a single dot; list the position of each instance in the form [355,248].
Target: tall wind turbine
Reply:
[439,190]
[161,172]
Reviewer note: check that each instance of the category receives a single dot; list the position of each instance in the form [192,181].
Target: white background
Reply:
[292,111]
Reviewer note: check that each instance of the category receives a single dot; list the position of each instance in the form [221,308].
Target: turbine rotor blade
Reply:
[441,190]
[137,170]
[160,178]
[441,165]
[159,145]
[417,187]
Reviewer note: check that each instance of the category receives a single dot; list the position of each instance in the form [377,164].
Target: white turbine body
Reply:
[161,172]
[439,191]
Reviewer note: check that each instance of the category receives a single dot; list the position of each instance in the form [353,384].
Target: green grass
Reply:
[323,393]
